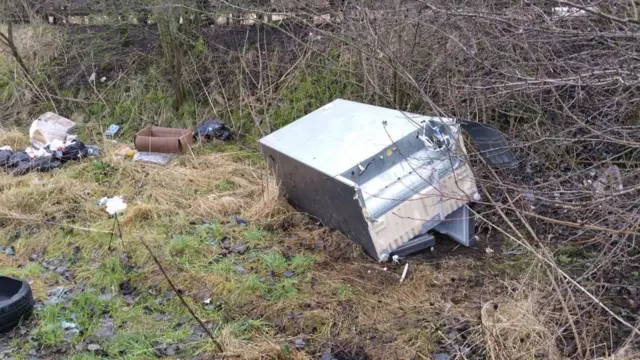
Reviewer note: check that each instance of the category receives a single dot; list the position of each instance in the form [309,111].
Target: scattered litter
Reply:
[6,148]
[111,130]
[210,129]
[384,269]
[49,127]
[124,152]
[395,259]
[103,79]
[488,250]
[514,252]
[288,274]
[163,140]
[71,333]
[68,325]
[51,146]
[92,78]
[566,11]
[240,269]
[73,150]
[93,150]
[240,221]
[300,343]
[58,294]
[114,205]
[17,158]
[153,158]
[404,273]
[8,250]
[207,301]
[36,153]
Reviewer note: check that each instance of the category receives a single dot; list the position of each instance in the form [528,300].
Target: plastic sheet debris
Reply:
[37,153]
[111,130]
[49,127]
[6,148]
[153,158]
[210,129]
[114,205]
[93,150]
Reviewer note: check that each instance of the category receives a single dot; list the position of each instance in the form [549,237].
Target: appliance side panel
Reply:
[322,196]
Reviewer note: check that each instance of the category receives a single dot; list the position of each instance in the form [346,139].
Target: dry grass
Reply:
[14,138]
[516,329]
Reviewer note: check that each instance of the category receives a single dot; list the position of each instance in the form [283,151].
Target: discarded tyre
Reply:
[16,302]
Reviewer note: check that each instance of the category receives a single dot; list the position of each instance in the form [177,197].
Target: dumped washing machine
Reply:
[385,178]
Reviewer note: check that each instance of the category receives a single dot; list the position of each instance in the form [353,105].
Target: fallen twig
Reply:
[53,223]
[175,290]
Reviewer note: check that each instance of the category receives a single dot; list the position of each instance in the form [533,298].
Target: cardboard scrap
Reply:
[49,127]
[163,140]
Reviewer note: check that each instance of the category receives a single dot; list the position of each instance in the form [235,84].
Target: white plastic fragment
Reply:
[115,205]
[36,153]
[6,148]
[68,325]
[404,273]
[56,144]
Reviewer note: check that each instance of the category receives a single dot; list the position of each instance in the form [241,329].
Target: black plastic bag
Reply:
[74,151]
[5,156]
[18,158]
[45,164]
[22,168]
[210,129]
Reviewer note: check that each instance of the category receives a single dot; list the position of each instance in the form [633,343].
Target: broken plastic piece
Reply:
[153,158]
[404,273]
[491,144]
[460,226]
[112,130]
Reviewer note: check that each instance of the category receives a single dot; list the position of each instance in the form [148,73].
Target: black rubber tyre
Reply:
[16,302]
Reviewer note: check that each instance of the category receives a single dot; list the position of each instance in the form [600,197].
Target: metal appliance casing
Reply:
[363,170]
